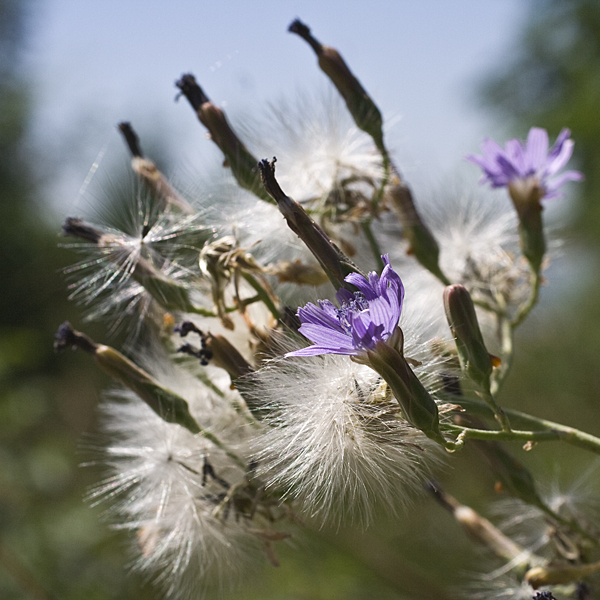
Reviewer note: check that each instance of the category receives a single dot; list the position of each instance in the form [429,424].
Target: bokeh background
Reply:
[445,74]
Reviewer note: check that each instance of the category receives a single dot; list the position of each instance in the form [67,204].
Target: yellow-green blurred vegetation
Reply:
[54,545]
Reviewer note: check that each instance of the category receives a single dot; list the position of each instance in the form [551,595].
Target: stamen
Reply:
[359,304]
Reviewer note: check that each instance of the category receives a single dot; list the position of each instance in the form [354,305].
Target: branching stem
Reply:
[536,282]
[541,429]
[262,294]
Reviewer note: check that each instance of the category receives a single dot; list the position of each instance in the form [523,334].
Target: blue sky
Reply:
[94,64]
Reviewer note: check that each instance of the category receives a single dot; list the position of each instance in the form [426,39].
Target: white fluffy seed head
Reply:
[103,281]
[170,487]
[479,246]
[337,442]
[318,145]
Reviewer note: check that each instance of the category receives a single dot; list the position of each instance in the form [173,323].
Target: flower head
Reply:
[528,169]
[364,318]
[150,246]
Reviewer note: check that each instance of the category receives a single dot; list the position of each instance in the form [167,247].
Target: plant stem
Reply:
[507,346]
[533,298]
[488,306]
[373,245]
[499,413]
[204,312]
[564,433]
[263,295]
[378,196]
[501,435]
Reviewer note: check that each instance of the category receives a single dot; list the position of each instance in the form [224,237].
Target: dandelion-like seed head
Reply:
[330,165]
[479,248]
[179,492]
[235,428]
[337,442]
[108,279]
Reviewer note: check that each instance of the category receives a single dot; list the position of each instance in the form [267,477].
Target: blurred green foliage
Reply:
[552,80]
[51,544]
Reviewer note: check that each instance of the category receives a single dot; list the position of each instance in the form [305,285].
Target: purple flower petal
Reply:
[362,284]
[563,136]
[532,163]
[323,336]
[365,317]
[516,155]
[537,149]
[553,185]
[561,157]
[325,314]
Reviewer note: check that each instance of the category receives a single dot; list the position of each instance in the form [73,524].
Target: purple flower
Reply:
[364,318]
[528,169]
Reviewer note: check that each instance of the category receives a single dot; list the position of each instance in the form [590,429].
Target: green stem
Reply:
[263,295]
[513,435]
[564,433]
[533,298]
[373,245]
[488,306]
[204,312]
[507,347]
[499,413]
[378,196]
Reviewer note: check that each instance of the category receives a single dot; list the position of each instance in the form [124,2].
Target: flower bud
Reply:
[218,351]
[225,355]
[165,403]
[149,174]
[418,407]
[237,156]
[423,246]
[364,111]
[475,360]
[333,261]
